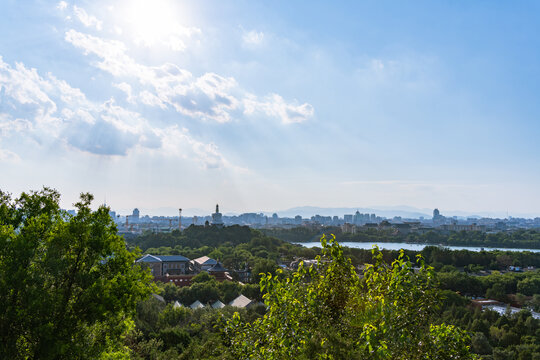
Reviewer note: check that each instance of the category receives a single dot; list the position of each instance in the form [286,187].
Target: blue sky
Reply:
[271,105]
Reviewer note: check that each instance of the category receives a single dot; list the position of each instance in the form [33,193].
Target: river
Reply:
[408,246]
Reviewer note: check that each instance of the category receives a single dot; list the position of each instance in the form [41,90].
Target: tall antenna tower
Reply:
[180,220]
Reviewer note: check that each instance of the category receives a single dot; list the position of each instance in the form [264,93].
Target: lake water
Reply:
[502,310]
[407,246]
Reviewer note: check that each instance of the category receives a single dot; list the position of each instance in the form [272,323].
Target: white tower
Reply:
[180,219]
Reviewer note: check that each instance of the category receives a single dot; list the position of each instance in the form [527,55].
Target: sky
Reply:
[262,106]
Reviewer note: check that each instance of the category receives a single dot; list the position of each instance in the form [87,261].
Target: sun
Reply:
[151,21]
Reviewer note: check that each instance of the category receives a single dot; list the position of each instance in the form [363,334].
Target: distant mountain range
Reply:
[309,211]
[391,211]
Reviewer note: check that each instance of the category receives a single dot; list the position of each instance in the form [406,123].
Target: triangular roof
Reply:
[205,260]
[159,297]
[241,301]
[197,305]
[218,305]
[217,268]
[177,305]
[149,258]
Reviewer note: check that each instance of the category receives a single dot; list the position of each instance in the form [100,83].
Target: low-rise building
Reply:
[162,265]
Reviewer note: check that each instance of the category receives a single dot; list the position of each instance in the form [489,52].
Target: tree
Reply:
[68,286]
[328,312]
[529,286]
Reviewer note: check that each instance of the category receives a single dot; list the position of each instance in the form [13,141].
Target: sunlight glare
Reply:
[154,21]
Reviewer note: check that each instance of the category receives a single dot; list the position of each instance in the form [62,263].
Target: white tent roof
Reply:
[197,305]
[241,301]
[159,297]
[218,305]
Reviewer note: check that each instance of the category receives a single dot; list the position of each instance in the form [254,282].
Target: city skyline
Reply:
[272,106]
[309,211]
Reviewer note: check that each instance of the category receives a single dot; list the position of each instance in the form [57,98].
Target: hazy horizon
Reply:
[308,211]
[269,106]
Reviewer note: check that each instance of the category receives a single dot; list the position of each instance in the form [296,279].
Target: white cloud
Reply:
[85,19]
[112,53]
[8,156]
[147,98]
[62,5]
[275,106]
[208,97]
[9,126]
[179,142]
[174,38]
[253,37]
[126,88]
[50,110]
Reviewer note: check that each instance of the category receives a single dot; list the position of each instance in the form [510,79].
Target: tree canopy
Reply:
[68,285]
[327,311]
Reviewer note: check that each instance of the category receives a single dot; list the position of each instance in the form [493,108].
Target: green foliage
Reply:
[68,286]
[327,311]
[529,286]
[181,333]
[494,286]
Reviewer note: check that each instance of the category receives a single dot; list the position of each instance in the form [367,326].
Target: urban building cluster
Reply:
[136,224]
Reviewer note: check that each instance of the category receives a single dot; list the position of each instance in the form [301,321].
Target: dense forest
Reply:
[71,289]
[455,279]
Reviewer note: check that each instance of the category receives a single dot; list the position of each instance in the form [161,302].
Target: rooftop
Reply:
[241,301]
[205,260]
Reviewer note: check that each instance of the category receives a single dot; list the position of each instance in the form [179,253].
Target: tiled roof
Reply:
[217,268]
[172,257]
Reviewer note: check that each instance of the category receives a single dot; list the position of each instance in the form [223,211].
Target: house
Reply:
[162,265]
[153,262]
[244,275]
[174,264]
[403,229]
[177,305]
[204,263]
[218,271]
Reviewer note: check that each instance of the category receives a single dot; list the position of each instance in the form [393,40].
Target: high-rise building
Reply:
[135,215]
[437,217]
[357,219]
